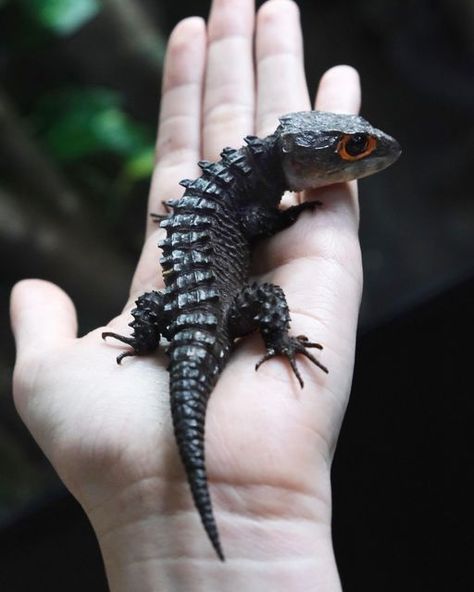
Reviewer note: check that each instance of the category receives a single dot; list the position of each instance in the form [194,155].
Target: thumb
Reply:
[42,316]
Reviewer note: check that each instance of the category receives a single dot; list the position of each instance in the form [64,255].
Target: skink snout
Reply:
[388,149]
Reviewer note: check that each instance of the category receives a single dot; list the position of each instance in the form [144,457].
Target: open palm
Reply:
[269,443]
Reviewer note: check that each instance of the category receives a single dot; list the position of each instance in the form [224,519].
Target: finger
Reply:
[330,235]
[229,87]
[339,90]
[178,145]
[281,82]
[42,316]
[318,263]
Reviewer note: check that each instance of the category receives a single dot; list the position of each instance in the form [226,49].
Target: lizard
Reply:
[208,301]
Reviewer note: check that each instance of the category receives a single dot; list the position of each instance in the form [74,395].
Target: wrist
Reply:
[149,547]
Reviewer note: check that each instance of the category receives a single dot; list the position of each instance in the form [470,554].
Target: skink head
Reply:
[319,148]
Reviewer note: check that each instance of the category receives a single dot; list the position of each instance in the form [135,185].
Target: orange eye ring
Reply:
[344,153]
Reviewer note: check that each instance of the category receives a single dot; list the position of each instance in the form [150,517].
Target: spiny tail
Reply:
[190,386]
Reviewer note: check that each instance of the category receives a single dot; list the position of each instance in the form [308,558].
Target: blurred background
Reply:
[79,97]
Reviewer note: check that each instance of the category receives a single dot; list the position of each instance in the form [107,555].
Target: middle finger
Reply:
[229,92]
[281,80]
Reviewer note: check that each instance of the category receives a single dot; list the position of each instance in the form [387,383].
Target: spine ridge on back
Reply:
[205,259]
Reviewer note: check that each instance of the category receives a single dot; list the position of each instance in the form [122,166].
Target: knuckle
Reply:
[228,112]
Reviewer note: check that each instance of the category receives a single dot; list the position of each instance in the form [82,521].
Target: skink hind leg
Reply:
[289,346]
[264,307]
[148,324]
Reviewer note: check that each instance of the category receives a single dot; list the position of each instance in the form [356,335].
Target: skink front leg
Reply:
[261,222]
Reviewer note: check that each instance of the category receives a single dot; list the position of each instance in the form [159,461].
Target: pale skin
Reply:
[269,444]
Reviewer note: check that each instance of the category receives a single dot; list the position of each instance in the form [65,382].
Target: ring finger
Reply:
[281,80]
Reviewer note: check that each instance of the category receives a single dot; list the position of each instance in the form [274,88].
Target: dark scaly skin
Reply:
[207,302]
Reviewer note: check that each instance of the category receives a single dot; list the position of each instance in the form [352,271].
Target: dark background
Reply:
[78,105]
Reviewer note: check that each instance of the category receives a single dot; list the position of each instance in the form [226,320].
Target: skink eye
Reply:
[355,146]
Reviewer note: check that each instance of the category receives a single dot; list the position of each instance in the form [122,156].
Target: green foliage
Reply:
[81,122]
[140,166]
[62,16]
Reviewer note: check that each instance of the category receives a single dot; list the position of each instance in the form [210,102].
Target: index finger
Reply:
[179,138]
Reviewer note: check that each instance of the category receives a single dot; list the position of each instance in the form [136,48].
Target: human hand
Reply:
[269,444]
